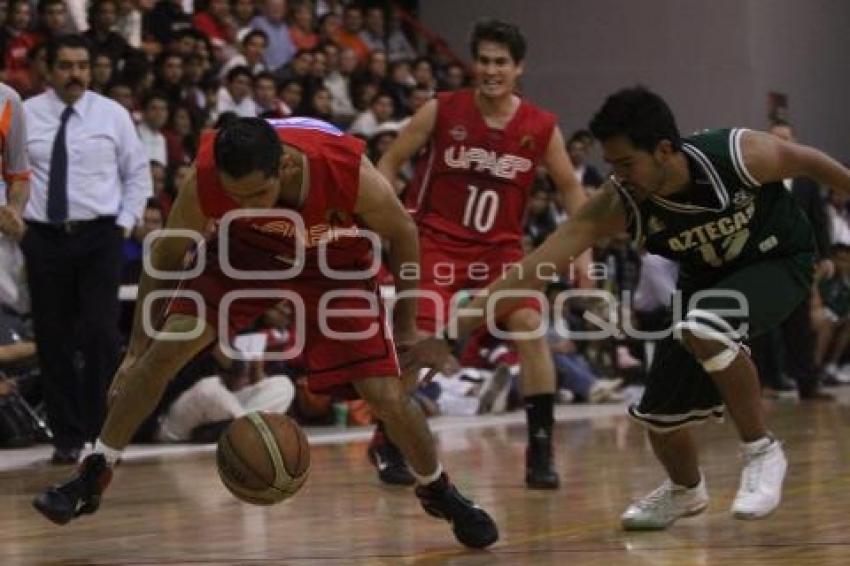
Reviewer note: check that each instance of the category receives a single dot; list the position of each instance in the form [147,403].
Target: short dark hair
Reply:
[245,145]
[255,33]
[640,115]
[499,32]
[237,71]
[70,41]
[155,95]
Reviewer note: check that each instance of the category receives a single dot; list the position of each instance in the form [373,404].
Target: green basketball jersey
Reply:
[725,220]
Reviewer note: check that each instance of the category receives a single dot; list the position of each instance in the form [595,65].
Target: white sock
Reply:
[757,445]
[425,480]
[111,454]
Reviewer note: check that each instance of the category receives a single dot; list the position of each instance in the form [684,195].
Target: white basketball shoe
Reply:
[761,479]
[660,508]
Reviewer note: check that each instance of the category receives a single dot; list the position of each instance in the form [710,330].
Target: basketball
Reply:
[263,458]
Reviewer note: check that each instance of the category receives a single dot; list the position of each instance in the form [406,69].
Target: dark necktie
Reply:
[57,180]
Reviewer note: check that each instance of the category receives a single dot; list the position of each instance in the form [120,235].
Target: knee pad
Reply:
[708,326]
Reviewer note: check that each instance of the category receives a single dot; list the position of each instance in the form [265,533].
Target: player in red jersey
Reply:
[310,193]
[469,196]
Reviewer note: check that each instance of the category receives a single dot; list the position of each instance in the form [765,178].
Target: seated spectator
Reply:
[586,174]
[330,25]
[380,111]
[374,30]
[454,77]
[129,23]
[269,105]
[37,58]
[15,43]
[52,20]
[338,82]
[254,45]
[374,72]
[298,68]
[102,69]
[349,34]
[397,45]
[539,221]
[164,21]
[169,74]
[205,409]
[181,135]
[102,17]
[215,22]
[291,93]
[423,73]
[122,93]
[319,105]
[302,30]
[152,219]
[271,20]
[831,319]
[243,12]
[154,119]
[381,141]
[236,95]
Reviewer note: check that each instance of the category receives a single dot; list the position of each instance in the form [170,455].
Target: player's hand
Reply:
[431,353]
[11,223]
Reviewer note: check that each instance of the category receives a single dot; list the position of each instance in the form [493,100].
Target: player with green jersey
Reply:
[715,204]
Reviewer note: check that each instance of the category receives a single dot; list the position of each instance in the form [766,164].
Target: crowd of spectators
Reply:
[179,67]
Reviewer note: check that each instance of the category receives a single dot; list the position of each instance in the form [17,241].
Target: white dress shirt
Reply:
[108,171]
[155,144]
[245,108]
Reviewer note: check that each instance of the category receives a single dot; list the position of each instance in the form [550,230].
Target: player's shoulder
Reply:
[712,136]
[8,93]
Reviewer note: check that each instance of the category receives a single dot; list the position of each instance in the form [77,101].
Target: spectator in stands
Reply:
[454,78]
[380,111]
[374,30]
[298,69]
[253,54]
[292,94]
[37,57]
[301,30]
[269,105]
[423,73]
[349,34]
[169,77]
[272,21]
[418,97]
[381,140]
[320,105]
[15,42]
[338,82]
[216,22]
[90,181]
[181,135]
[154,118]
[129,23]
[398,47]
[164,21]
[586,174]
[122,93]
[152,219]
[102,70]
[831,319]
[399,83]
[102,17]
[330,25]
[236,95]
[243,12]
[539,221]
[52,19]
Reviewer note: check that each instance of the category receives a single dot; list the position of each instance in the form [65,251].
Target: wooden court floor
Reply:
[172,510]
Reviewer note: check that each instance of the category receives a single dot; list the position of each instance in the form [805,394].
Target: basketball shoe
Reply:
[472,526]
[77,496]
[761,479]
[539,465]
[661,507]
[387,459]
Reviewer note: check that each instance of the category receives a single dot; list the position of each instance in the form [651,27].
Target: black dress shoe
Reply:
[63,456]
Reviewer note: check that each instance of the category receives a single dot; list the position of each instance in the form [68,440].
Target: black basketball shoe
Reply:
[539,465]
[77,496]
[472,526]
[387,458]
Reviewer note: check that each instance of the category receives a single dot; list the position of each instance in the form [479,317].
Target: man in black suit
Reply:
[796,337]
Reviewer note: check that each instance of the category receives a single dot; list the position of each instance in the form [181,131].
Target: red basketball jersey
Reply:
[328,211]
[472,182]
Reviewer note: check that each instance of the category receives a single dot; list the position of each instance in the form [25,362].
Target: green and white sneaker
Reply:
[660,508]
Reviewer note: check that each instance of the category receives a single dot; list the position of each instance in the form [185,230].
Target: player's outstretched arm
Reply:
[769,159]
[602,216]
[379,209]
[408,142]
[167,254]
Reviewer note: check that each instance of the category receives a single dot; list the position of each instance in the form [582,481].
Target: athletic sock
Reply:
[111,454]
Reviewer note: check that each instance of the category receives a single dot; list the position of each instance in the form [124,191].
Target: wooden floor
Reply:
[173,510]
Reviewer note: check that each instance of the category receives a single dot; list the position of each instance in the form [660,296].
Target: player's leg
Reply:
[136,395]
[678,393]
[406,426]
[538,390]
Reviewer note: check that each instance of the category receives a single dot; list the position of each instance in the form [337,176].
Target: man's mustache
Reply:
[73,82]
